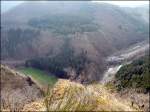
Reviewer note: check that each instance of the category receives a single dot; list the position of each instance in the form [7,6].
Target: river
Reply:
[120,58]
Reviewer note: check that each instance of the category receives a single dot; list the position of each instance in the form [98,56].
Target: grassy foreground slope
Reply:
[71,96]
[25,95]
[16,90]
[40,76]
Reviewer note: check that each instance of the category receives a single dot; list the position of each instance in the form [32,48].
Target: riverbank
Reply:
[126,56]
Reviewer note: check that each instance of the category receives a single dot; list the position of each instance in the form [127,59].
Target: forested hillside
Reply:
[134,75]
[76,35]
[74,56]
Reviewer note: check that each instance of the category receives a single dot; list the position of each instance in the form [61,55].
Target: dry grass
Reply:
[71,96]
[16,91]
[17,95]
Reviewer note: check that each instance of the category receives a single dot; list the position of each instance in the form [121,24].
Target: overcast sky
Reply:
[6,5]
[126,3]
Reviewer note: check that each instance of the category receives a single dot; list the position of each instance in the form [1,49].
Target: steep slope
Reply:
[17,90]
[134,75]
[71,96]
[20,93]
[132,81]
[137,13]
[91,27]
[61,31]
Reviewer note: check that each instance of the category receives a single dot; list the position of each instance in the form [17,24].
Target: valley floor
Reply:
[43,78]
[63,95]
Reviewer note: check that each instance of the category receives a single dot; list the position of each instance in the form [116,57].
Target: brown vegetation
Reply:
[17,90]
[71,96]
